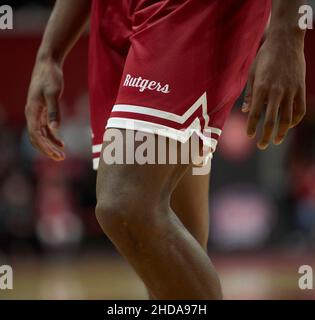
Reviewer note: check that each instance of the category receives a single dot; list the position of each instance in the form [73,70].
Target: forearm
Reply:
[63,29]
[284,24]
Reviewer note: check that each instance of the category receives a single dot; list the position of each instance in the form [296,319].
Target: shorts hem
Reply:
[149,127]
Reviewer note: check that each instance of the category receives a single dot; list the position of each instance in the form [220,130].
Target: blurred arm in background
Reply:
[277,80]
[66,23]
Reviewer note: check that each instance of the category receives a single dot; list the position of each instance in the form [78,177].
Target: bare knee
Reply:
[109,216]
[134,201]
[128,216]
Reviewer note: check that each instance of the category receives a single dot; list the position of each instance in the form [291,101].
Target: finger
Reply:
[54,139]
[299,108]
[33,114]
[51,136]
[53,114]
[247,98]
[270,120]
[248,94]
[58,150]
[37,137]
[285,119]
[256,107]
[53,119]
[39,142]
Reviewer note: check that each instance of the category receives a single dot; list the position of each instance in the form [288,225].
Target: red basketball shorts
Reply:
[170,67]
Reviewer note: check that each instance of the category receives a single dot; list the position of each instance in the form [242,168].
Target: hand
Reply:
[276,87]
[42,109]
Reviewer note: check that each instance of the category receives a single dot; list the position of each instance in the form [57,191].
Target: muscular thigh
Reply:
[189,198]
[142,181]
[190,202]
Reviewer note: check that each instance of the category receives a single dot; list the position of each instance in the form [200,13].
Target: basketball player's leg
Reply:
[134,211]
[190,202]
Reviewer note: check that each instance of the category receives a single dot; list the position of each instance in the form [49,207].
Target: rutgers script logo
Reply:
[145,84]
[6,18]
